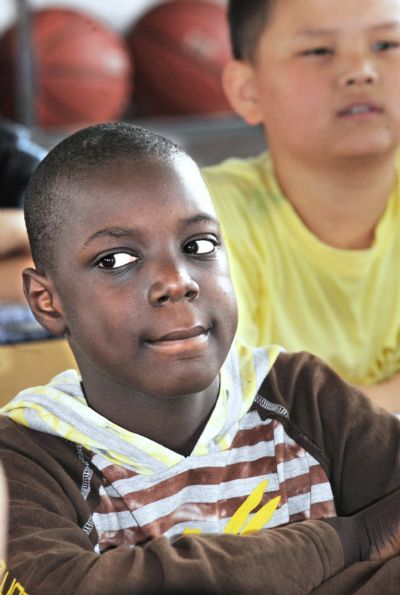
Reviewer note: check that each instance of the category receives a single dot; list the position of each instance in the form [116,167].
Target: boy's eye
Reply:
[383,46]
[116,260]
[318,51]
[203,246]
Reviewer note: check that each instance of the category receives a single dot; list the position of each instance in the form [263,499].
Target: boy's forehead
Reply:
[332,15]
[146,185]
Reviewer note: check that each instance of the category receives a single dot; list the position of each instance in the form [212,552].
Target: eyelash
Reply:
[380,46]
[320,51]
[112,255]
[213,241]
[388,45]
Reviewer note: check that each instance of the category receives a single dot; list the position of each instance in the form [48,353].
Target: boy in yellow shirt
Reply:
[312,226]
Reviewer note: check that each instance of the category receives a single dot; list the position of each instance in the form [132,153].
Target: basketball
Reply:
[179,49]
[82,70]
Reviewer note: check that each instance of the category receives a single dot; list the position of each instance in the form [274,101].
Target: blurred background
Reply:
[156,62]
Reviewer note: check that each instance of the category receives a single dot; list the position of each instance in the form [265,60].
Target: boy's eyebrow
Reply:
[199,218]
[114,232]
[315,32]
[388,25]
[321,32]
[129,232]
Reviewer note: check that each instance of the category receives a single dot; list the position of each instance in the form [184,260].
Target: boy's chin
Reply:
[376,147]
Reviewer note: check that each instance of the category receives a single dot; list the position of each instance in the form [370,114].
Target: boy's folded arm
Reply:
[372,533]
[48,544]
[50,553]
[358,444]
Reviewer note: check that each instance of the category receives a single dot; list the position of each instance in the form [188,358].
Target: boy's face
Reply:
[327,75]
[143,281]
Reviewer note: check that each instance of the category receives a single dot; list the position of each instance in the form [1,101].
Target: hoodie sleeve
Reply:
[51,549]
[358,445]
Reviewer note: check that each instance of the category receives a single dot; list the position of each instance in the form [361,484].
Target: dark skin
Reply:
[141,289]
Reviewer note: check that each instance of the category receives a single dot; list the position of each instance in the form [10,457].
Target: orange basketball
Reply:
[82,69]
[179,49]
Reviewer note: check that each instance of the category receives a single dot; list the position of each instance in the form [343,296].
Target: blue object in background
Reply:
[17,325]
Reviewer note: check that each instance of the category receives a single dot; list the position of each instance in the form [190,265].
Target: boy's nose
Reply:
[173,287]
[359,74]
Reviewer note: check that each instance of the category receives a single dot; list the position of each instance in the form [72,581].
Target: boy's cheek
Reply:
[228,297]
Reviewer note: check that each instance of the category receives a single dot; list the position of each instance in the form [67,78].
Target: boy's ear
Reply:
[44,301]
[239,83]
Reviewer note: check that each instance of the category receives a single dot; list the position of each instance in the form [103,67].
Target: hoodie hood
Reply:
[60,408]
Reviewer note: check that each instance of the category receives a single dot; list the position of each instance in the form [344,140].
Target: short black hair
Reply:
[247,20]
[80,155]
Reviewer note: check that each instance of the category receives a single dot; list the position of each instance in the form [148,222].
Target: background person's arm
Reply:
[14,255]
[13,236]
[385,394]
[11,287]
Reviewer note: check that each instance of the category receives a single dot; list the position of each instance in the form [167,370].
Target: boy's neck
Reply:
[342,203]
[175,423]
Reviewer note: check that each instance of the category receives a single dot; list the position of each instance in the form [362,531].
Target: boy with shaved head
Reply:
[177,460]
[312,226]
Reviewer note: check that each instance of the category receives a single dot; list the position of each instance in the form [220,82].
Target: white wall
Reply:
[118,13]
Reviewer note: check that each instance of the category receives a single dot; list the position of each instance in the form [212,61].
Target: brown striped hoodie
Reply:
[304,446]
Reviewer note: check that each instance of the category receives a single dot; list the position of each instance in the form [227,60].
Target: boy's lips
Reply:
[360,108]
[181,340]
[182,334]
